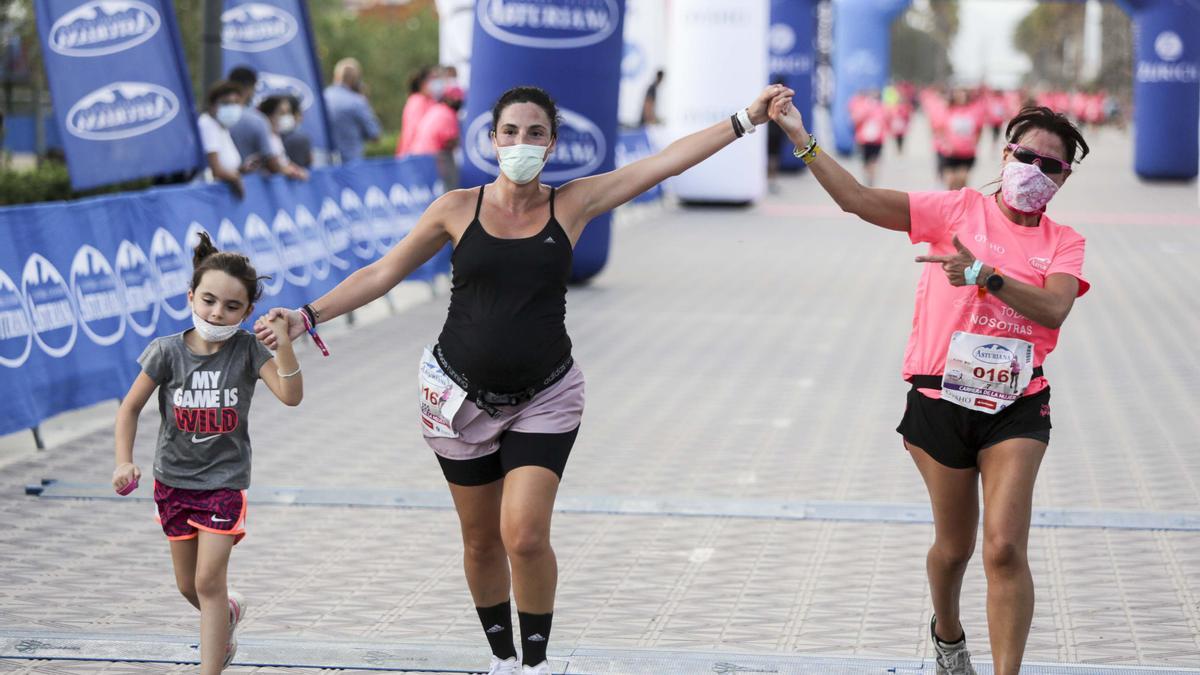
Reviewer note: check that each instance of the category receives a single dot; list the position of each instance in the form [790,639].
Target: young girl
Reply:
[205,378]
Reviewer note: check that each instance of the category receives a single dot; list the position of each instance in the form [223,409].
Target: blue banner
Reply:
[862,43]
[121,90]
[274,37]
[84,286]
[632,145]
[1166,89]
[572,49]
[792,41]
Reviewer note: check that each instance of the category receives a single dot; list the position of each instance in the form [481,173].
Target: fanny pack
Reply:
[935,381]
[487,400]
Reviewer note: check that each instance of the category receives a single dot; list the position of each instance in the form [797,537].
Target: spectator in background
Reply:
[437,134]
[279,112]
[297,144]
[351,120]
[252,132]
[424,90]
[224,109]
[650,104]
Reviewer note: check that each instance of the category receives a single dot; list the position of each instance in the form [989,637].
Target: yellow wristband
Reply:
[811,156]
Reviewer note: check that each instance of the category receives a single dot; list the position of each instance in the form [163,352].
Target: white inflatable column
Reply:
[717,64]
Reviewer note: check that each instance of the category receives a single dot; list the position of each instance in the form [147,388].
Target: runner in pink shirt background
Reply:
[999,280]
[956,130]
[870,120]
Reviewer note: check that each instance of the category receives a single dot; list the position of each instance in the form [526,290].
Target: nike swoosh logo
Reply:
[206,438]
[215,519]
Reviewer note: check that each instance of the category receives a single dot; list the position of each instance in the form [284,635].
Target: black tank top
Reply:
[506,329]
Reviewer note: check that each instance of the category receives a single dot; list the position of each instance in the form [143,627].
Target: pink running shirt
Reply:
[1027,254]
[960,130]
[437,129]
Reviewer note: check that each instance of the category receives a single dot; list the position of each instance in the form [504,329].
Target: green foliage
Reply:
[50,182]
[921,41]
[384,146]
[389,52]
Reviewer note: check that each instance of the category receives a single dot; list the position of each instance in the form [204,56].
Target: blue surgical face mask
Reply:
[228,114]
[521,163]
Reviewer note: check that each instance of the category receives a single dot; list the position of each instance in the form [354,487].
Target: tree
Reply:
[1052,36]
[921,41]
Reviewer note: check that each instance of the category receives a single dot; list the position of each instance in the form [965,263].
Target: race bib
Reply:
[986,373]
[440,398]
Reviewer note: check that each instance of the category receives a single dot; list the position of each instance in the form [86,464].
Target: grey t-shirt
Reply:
[204,400]
[252,134]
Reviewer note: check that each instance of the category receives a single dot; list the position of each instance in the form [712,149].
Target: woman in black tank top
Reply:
[501,398]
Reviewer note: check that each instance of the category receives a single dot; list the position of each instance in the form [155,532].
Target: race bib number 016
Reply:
[985,372]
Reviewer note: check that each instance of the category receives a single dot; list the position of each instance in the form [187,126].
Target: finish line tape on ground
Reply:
[865,512]
[454,658]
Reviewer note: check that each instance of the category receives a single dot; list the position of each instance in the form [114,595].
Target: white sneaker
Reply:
[509,666]
[952,658]
[542,668]
[237,609]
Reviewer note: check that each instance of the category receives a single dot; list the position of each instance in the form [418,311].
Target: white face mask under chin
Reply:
[211,332]
[521,163]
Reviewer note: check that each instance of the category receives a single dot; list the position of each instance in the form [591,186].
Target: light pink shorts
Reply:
[554,410]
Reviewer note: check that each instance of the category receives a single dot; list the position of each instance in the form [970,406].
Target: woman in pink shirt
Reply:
[870,129]
[956,135]
[437,135]
[1003,278]
[425,88]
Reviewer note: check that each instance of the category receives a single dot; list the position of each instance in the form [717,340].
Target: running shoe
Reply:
[237,609]
[952,658]
[509,666]
[542,668]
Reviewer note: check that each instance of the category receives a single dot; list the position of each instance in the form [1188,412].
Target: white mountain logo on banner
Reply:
[542,24]
[273,83]
[257,27]
[121,110]
[103,27]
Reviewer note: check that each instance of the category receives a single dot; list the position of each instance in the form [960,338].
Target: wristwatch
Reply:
[994,282]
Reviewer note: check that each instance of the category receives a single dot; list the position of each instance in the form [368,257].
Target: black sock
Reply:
[497,625]
[535,633]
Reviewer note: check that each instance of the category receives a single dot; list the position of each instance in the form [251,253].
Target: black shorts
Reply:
[945,162]
[954,435]
[516,449]
[870,151]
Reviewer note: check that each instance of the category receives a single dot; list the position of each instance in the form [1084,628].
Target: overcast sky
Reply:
[983,47]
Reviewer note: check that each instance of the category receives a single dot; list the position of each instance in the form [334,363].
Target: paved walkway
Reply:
[738,500]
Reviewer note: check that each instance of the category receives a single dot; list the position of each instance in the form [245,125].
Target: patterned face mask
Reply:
[1025,188]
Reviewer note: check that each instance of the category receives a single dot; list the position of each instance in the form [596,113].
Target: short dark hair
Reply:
[220,90]
[270,104]
[1041,117]
[295,101]
[206,257]
[527,94]
[243,76]
[418,78]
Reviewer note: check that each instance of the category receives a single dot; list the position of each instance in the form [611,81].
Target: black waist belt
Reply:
[935,381]
[488,400]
